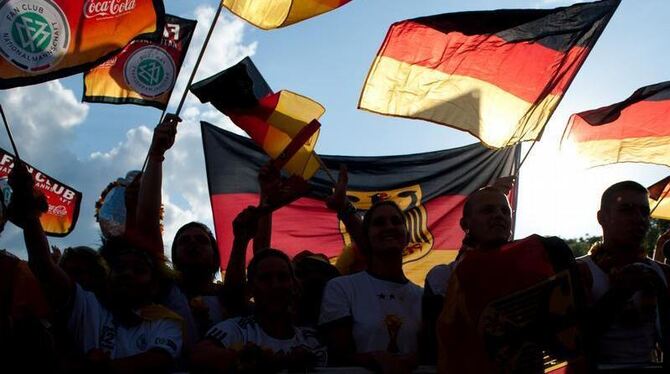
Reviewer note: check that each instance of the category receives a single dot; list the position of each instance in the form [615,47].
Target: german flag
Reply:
[41,40]
[272,14]
[634,130]
[429,187]
[145,71]
[659,201]
[498,75]
[283,124]
[64,201]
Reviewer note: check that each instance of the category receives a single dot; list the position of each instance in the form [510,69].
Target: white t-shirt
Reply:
[93,326]
[236,332]
[437,278]
[386,315]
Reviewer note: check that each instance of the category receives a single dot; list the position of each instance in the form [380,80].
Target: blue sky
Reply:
[327,59]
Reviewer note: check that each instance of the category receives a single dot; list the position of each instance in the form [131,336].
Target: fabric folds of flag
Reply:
[634,130]
[64,201]
[272,14]
[44,40]
[145,71]
[284,124]
[659,201]
[498,75]
[429,187]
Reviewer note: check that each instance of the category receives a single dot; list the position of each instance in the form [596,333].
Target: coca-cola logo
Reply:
[59,210]
[107,8]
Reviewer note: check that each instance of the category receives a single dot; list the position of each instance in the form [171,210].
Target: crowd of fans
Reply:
[501,306]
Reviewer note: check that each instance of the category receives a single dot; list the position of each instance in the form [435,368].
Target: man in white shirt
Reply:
[627,291]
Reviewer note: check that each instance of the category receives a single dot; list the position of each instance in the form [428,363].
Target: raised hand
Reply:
[164,135]
[26,201]
[245,224]
[338,200]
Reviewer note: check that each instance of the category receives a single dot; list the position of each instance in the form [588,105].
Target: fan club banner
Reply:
[145,71]
[63,200]
[498,75]
[41,40]
[429,187]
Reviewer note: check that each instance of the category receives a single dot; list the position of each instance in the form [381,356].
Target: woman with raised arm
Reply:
[372,318]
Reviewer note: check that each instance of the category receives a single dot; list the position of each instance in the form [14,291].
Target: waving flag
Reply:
[498,75]
[429,187]
[145,71]
[634,130]
[659,201]
[41,40]
[283,124]
[272,14]
[63,200]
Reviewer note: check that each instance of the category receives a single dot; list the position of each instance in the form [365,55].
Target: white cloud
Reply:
[45,117]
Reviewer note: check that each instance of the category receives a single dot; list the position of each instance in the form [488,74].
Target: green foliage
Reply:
[580,246]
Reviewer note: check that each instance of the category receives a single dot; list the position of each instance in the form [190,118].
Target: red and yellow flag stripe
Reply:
[497,75]
[634,130]
[272,14]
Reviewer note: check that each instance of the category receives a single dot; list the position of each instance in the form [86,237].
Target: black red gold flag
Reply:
[429,187]
[41,40]
[498,75]
[64,201]
[634,130]
[272,14]
[283,123]
[145,71]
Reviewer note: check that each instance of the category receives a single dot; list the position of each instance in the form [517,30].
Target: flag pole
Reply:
[325,168]
[525,157]
[199,59]
[659,201]
[146,159]
[9,132]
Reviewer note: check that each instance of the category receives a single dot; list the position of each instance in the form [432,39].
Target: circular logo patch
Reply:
[34,35]
[150,71]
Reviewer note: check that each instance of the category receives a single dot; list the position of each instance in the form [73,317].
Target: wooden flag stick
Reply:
[659,200]
[9,132]
[146,159]
[197,62]
[325,168]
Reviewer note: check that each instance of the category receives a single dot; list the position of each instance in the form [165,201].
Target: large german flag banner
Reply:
[429,187]
[41,40]
[63,200]
[283,124]
[498,75]
[272,14]
[659,199]
[145,71]
[634,130]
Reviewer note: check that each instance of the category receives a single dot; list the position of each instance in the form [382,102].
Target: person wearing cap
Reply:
[627,292]
[125,331]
